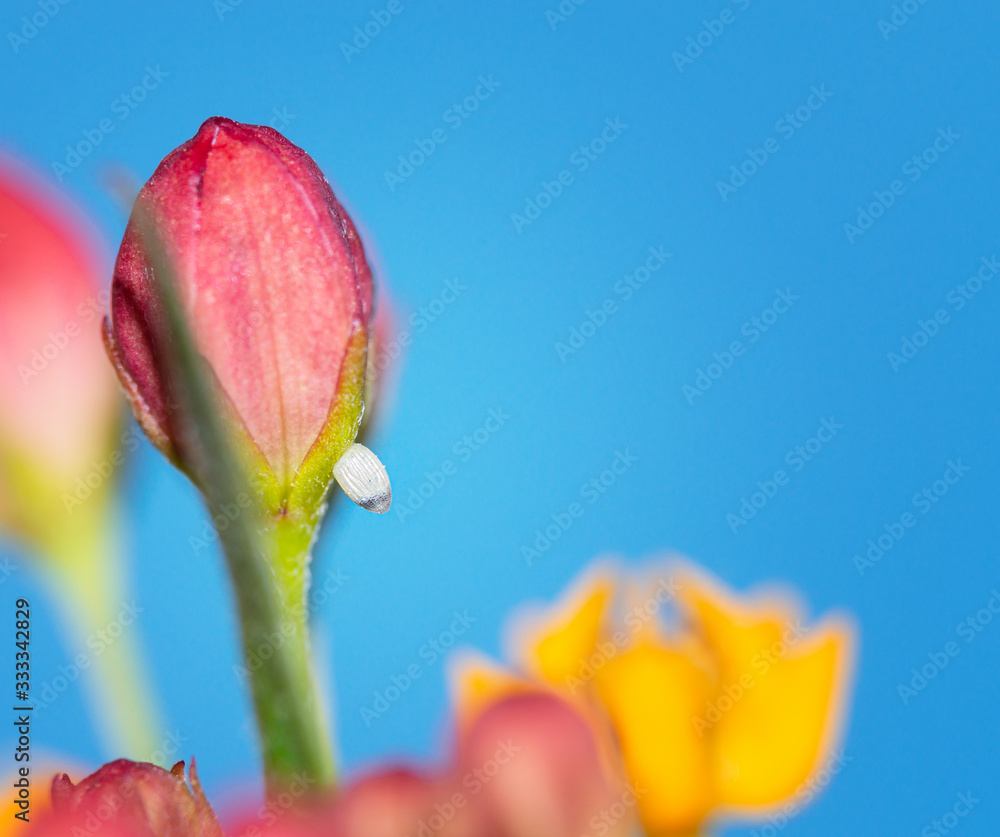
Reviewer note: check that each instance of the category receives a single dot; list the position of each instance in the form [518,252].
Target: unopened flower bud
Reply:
[272,277]
[132,799]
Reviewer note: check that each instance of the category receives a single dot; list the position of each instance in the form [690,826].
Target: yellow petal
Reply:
[652,695]
[735,628]
[782,727]
[560,643]
[779,695]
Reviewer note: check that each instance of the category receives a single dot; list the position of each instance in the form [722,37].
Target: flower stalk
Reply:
[267,558]
[240,321]
[271,585]
[84,566]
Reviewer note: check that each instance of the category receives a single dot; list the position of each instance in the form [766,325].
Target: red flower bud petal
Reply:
[273,277]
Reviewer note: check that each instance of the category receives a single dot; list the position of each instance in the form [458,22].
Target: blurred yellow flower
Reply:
[721,704]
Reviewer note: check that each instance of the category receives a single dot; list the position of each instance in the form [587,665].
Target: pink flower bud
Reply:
[58,407]
[400,802]
[130,799]
[533,766]
[391,802]
[273,278]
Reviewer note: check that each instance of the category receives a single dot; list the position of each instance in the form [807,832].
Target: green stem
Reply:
[292,726]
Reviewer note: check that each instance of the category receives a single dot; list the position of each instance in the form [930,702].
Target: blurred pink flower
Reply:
[58,405]
[535,766]
[60,413]
[526,766]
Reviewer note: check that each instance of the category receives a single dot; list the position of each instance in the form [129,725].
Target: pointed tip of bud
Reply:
[364,479]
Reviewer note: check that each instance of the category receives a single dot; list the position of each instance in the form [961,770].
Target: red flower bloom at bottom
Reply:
[128,799]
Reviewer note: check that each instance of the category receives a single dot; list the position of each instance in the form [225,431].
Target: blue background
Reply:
[656,185]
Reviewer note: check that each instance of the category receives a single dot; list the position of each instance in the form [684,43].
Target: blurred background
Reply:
[579,209]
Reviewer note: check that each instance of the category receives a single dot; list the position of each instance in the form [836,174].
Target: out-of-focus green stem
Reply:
[85,569]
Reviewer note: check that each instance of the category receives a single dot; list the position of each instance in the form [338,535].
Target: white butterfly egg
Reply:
[364,479]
